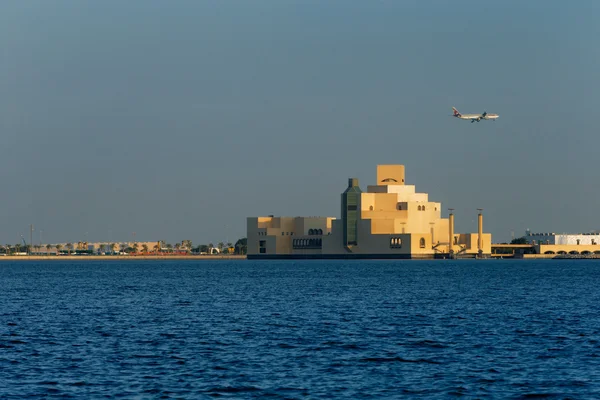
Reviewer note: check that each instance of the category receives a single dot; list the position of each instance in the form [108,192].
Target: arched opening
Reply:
[597,252]
[561,252]
[370,208]
[586,252]
[549,252]
[419,208]
[311,232]
[422,243]
[320,231]
[573,252]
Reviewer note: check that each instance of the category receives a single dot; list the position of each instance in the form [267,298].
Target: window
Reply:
[263,250]
[370,208]
[262,243]
[301,244]
[422,243]
[352,208]
[395,243]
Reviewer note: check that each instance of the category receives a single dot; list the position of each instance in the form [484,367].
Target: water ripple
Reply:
[316,329]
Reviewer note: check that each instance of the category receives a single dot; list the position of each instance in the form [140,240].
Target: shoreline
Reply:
[121,258]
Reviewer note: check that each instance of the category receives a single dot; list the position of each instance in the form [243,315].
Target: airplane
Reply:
[474,117]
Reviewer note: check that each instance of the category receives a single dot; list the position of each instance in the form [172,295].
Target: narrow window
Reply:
[422,243]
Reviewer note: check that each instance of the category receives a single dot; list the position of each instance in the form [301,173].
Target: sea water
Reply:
[300,329]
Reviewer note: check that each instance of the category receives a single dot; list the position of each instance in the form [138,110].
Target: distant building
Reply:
[389,220]
[564,243]
[563,238]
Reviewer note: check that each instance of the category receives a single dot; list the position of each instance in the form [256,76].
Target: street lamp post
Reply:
[451,233]
[480,231]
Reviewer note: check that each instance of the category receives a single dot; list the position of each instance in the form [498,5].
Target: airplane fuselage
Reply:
[477,116]
[474,117]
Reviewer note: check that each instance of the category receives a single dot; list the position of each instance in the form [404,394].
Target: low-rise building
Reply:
[564,243]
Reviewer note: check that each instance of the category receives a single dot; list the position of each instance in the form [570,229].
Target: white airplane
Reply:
[474,117]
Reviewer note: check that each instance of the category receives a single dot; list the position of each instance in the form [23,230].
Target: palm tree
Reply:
[188,245]
[123,247]
[169,247]
[58,247]
[135,247]
[48,247]
[241,246]
[211,246]
[145,248]
[113,247]
[69,247]
[220,246]
[156,248]
[17,248]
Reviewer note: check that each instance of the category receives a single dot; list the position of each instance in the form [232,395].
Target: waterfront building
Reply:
[390,220]
[550,243]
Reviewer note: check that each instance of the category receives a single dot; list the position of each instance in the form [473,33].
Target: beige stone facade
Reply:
[390,220]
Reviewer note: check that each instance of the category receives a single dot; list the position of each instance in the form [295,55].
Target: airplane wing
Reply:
[484,114]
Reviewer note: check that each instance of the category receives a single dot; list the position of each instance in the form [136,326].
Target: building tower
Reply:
[351,213]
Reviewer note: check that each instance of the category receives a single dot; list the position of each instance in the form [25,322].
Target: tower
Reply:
[351,213]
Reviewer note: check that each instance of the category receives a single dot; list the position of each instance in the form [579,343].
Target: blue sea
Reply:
[300,329]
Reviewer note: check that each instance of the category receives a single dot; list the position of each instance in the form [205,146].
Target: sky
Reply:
[176,120]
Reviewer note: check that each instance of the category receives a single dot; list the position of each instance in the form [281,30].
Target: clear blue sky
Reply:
[178,119]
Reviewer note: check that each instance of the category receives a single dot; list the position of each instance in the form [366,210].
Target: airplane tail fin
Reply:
[456,113]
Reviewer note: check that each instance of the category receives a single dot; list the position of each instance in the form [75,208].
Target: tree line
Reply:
[81,248]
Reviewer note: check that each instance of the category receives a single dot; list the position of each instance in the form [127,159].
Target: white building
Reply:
[563,238]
